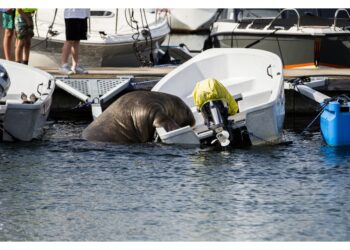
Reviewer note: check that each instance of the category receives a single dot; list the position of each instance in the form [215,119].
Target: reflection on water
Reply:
[64,188]
[335,157]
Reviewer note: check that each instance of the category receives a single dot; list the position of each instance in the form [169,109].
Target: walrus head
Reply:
[174,114]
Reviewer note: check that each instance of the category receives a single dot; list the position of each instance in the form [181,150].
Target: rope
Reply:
[50,32]
[259,40]
[340,98]
[313,121]
[138,48]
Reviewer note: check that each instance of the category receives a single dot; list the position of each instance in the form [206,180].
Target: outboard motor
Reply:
[215,114]
[4,82]
[216,104]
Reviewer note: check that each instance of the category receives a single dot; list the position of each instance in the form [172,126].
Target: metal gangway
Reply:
[95,91]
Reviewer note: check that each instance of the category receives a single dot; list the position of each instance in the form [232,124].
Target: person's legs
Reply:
[20,28]
[80,34]
[72,44]
[7,43]
[67,47]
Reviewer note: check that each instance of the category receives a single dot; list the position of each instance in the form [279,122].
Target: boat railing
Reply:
[279,14]
[336,16]
[116,20]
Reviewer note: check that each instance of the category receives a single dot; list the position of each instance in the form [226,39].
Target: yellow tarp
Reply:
[211,89]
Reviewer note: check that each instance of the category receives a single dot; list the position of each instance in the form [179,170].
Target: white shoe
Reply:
[78,70]
[64,69]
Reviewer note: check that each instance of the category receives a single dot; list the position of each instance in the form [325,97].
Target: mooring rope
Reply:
[50,32]
[138,48]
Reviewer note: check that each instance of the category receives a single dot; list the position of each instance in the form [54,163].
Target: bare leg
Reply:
[8,34]
[19,50]
[75,53]
[65,51]
[26,49]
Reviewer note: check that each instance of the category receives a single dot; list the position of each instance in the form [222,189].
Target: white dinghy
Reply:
[253,77]
[25,102]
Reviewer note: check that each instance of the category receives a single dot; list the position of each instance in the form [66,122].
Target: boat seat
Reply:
[254,98]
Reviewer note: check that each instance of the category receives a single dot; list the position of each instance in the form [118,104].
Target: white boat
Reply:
[189,20]
[116,37]
[253,77]
[301,37]
[20,120]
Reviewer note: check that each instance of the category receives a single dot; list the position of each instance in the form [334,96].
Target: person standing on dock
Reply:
[24,33]
[8,24]
[76,30]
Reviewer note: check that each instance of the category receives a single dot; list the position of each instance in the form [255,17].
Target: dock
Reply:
[338,83]
[104,72]
[293,73]
[163,70]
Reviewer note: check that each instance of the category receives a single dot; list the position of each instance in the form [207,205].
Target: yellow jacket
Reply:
[26,10]
[210,90]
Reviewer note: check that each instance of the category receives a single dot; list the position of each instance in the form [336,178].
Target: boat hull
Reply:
[294,50]
[48,54]
[191,20]
[255,75]
[25,121]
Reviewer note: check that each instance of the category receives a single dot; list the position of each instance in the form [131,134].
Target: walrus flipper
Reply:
[165,121]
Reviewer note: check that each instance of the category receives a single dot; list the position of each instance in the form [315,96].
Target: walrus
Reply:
[133,118]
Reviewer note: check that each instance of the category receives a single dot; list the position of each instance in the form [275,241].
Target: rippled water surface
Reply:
[67,189]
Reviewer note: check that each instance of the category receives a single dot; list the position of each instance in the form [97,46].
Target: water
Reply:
[65,189]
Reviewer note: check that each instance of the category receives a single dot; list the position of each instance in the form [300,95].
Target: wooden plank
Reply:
[110,71]
[105,72]
[292,73]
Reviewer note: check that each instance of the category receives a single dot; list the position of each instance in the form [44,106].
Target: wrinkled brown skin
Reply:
[134,116]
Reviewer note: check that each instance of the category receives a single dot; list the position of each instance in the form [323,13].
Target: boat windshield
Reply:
[244,14]
[249,14]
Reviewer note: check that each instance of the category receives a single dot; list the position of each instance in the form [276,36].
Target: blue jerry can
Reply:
[335,123]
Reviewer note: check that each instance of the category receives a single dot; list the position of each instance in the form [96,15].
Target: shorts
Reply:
[8,20]
[76,29]
[22,28]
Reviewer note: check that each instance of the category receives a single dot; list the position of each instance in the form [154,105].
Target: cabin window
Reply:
[101,13]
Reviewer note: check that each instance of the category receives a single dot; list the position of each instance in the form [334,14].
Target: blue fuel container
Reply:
[335,123]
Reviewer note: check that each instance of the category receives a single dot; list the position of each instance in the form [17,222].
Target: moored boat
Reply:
[253,77]
[25,103]
[300,37]
[191,20]
[116,37]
